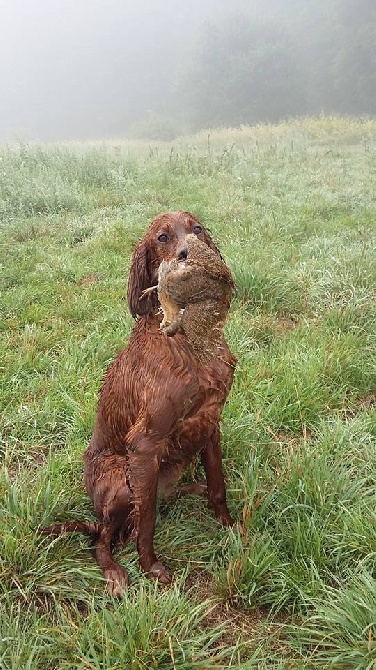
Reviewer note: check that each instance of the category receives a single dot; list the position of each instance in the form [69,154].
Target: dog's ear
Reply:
[139,280]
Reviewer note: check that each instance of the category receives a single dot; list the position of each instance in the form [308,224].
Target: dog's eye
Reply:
[197,230]
[163,237]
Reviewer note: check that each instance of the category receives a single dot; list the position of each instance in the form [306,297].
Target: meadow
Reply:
[293,209]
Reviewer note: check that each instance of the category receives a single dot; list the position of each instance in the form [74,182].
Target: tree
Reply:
[242,73]
[354,63]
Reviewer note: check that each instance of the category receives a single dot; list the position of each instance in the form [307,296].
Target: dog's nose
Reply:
[183,253]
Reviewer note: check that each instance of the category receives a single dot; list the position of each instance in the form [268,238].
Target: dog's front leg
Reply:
[211,458]
[144,462]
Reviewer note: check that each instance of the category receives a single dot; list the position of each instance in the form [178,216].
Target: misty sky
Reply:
[86,69]
[74,69]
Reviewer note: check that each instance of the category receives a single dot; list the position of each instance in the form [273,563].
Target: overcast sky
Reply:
[73,69]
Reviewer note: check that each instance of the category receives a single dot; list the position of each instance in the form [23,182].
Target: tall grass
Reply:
[292,208]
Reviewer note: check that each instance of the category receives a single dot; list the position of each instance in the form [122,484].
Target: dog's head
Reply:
[165,240]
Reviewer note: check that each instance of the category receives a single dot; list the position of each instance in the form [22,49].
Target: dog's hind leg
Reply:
[71,527]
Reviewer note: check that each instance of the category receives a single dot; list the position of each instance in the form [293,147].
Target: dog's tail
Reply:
[56,529]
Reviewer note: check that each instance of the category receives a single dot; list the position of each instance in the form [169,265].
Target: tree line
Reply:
[302,58]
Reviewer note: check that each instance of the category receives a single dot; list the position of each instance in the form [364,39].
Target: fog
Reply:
[97,69]
[87,68]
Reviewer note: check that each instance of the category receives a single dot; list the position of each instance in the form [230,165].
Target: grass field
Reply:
[293,209]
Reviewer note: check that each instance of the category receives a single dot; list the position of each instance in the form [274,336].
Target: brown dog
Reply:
[159,407]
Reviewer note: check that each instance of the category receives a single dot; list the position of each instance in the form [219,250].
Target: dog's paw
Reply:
[225,518]
[228,521]
[159,572]
[117,580]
